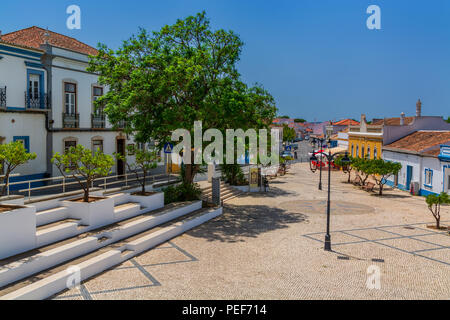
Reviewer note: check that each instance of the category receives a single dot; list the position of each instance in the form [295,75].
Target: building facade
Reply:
[425,159]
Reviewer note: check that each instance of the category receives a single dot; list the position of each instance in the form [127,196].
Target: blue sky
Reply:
[316,57]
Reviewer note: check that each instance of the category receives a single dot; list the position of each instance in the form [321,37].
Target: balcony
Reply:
[36,102]
[3,98]
[121,124]
[71,120]
[98,121]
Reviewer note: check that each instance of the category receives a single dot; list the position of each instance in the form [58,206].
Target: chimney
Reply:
[419,108]
[363,118]
[402,119]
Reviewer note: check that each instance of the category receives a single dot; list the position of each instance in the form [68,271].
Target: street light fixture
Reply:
[345,162]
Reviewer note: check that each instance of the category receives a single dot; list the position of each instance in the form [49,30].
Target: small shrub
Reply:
[182,192]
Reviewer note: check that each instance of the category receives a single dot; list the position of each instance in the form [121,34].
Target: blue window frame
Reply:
[30,91]
[25,140]
[428,178]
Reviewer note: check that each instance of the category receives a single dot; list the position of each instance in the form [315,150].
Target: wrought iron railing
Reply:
[39,101]
[3,97]
[98,121]
[71,120]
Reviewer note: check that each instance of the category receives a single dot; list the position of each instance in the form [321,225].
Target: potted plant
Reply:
[84,166]
[145,160]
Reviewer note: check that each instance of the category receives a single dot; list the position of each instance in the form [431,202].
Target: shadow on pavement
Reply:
[245,221]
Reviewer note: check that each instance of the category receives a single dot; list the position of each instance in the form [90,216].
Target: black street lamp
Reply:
[345,161]
[319,142]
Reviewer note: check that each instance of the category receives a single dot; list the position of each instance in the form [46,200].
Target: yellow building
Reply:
[365,140]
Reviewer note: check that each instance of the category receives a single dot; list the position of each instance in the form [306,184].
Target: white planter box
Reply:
[93,214]
[17,231]
[13,200]
[152,202]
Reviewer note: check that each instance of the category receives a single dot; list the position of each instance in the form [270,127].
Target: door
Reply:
[33,91]
[409,173]
[120,149]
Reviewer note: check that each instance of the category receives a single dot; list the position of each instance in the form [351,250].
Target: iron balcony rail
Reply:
[98,121]
[71,120]
[3,97]
[40,101]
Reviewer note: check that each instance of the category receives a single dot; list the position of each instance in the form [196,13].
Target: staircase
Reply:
[226,192]
[64,242]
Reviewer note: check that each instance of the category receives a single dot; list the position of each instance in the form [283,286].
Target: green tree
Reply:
[145,160]
[299,120]
[288,133]
[348,167]
[434,203]
[168,79]
[448,120]
[84,166]
[12,155]
[381,170]
[362,168]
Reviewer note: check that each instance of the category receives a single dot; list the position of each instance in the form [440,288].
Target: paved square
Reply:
[271,247]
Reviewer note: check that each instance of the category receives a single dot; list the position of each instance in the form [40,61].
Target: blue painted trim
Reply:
[426,193]
[34,65]
[425,183]
[15,108]
[41,84]
[20,51]
[24,138]
[22,57]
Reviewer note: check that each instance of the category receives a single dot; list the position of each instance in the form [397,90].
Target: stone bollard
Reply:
[216,191]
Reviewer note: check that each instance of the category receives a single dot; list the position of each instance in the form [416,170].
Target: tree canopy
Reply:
[168,79]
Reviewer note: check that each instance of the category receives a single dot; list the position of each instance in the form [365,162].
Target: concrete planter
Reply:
[17,230]
[248,189]
[93,214]
[13,200]
[151,202]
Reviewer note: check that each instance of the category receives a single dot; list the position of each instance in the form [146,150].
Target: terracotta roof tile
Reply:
[346,122]
[427,142]
[392,121]
[34,37]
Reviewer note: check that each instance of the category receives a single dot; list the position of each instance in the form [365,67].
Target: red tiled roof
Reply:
[427,142]
[392,121]
[346,122]
[34,37]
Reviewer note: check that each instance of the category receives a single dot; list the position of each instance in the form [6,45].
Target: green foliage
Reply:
[381,170]
[288,133]
[168,79]
[434,203]
[232,174]
[145,160]
[81,162]
[182,192]
[299,120]
[12,155]
[284,117]
[448,120]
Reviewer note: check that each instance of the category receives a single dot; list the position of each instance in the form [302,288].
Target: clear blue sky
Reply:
[316,57]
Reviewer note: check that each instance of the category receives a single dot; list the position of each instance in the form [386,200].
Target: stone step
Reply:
[54,280]
[29,263]
[51,215]
[126,210]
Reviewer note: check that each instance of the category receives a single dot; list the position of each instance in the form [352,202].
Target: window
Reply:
[353,147]
[362,151]
[25,141]
[368,152]
[97,93]
[357,151]
[33,86]
[68,144]
[97,145]
[70,94]
[375,153]
[428,178]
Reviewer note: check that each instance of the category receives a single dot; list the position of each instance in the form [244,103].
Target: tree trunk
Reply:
[438,217]
[86,193]
[143,183]
[381,189]
[349,177]
[5,182]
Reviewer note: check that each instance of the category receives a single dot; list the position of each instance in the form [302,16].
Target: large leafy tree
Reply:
[84,166]
[12,155]
[381,170]
[288,133]
[168,79]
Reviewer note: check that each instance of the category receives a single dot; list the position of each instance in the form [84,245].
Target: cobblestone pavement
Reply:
[271,247]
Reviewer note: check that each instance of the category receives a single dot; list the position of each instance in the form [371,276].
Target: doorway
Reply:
[120,149]
[447,180]
[409,177]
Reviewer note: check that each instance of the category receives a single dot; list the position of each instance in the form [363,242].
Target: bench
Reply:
[369,187]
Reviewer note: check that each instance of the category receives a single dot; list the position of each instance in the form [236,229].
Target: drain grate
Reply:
[343,258]
[409,228]
[378,260]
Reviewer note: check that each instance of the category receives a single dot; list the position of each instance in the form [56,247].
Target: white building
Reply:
[425,159]
[50,100]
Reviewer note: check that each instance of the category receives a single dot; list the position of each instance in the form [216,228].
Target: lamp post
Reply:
[345,161]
